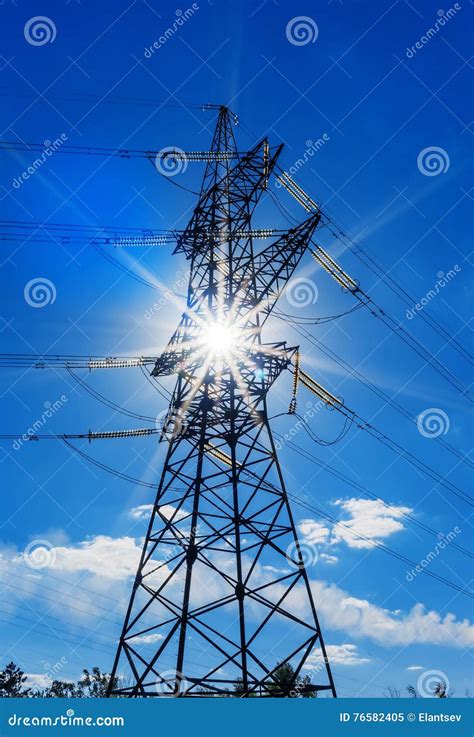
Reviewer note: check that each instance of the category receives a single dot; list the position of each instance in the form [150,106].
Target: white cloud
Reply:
[146,639]
[113,558]
[37,680]
[360,618]
[141,512]
[368,518]
[415,667]
[313,532]
[371,518]
[346,654]
[328,558]
[144,511]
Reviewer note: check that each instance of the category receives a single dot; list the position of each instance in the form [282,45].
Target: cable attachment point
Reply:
[296,376]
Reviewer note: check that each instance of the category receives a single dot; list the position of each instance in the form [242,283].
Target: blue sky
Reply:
[379,108]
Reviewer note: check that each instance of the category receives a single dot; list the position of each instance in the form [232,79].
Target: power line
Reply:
[352,371]
[397,288]
[392,323]
[364,490]
[398,449]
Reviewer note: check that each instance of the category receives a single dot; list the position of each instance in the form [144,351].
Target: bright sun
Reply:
[219,339]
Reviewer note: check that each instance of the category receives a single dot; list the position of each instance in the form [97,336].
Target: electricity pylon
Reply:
[222,597]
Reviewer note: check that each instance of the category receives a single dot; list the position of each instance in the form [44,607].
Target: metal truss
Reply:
[222,597]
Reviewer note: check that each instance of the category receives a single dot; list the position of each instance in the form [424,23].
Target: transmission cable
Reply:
[352,371]
[307,455]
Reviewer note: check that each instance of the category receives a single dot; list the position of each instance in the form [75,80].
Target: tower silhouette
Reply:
[222,598]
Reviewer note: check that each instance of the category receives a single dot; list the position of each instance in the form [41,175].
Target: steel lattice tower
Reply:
[222,595]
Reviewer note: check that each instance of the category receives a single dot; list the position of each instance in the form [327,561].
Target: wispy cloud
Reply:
[365,523]
[346,654]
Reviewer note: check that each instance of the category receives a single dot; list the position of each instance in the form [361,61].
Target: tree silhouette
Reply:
[285,684]
[11,682]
